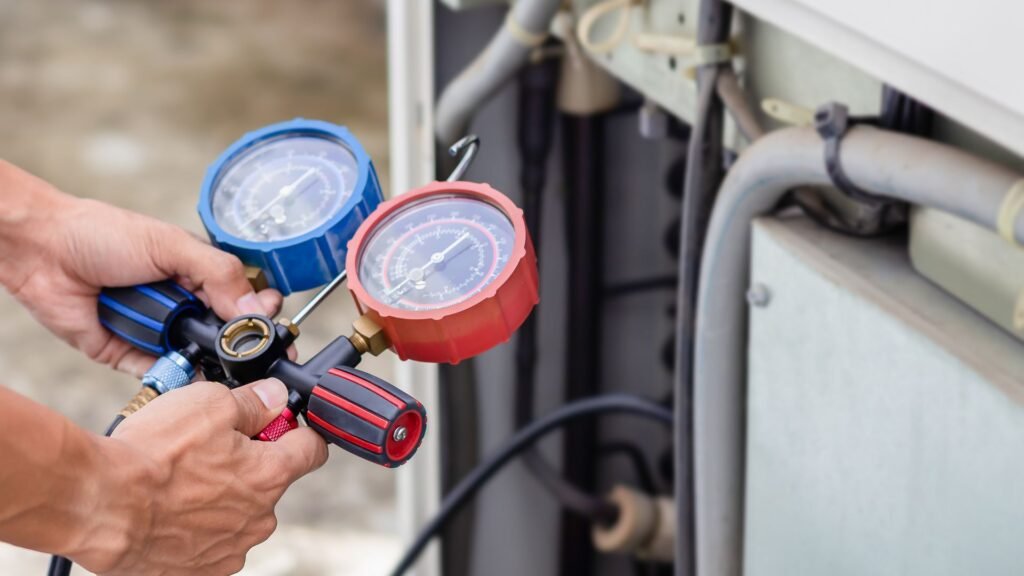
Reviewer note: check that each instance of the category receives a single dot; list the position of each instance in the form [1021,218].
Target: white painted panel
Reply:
[962,58]
[885,419]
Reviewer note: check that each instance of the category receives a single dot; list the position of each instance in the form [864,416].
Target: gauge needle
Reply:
[417,274]
[283,193]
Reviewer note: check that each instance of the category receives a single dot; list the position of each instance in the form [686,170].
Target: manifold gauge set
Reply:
[439,274]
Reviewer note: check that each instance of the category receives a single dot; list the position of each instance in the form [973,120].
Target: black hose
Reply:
[521,440]
[583,140]
[536,114]
[703,175]
[59,565]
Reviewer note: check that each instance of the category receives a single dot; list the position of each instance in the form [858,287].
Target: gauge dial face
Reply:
[436,252]
[284,187]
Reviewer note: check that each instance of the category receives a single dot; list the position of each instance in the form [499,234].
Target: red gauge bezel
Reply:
[416,334]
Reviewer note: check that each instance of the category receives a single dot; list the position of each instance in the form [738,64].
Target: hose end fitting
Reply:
[144,396]
[170,372]
[645,527]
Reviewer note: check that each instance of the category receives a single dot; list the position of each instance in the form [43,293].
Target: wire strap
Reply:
[705,54]
[1010,209]
[521,34]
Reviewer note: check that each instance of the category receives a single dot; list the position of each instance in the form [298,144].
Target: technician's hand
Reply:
[209,491]
[58,251]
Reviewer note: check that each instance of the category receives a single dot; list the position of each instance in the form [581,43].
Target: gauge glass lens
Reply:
[436,252]
[284,187]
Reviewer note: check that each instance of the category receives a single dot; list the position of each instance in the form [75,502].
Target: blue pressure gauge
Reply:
[287,198]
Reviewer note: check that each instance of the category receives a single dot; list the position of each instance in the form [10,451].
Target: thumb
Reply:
[221,276]
[258,404]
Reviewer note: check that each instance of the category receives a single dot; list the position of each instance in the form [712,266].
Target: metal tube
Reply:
[468,146]
[885,163]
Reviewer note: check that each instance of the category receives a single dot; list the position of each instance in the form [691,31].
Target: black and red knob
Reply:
[367,416]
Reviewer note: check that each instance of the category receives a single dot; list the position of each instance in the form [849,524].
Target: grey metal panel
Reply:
[885,419]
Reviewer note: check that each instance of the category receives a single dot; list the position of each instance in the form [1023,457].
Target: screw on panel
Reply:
[759,295]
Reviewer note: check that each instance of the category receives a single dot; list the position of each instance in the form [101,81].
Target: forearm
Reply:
[28,209]
[62,489]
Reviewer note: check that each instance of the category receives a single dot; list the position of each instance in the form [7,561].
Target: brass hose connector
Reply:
[144,396]
[368,336]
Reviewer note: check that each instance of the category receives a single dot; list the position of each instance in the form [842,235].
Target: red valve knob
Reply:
[367,416]
[280,426]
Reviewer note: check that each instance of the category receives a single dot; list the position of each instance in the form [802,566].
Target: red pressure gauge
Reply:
[447,270]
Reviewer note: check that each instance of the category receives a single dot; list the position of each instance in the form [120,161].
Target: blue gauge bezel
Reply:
[276,257]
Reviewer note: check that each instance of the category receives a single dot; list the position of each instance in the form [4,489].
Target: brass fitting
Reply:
[141,398]
[257,279]
[235,339]
[645,527]
[368,336]
[290,326]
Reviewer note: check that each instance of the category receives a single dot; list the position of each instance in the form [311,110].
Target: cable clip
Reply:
[705,54]
[521,34]
[832,121]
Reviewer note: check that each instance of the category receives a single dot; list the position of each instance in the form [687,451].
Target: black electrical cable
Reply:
[521,440]
[59,565]
[704,173]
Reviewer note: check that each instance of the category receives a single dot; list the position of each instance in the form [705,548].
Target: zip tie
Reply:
[595,13]
[787,112]
[832,121]
[1011,207]
[521,34]
[705,54]
[665,44]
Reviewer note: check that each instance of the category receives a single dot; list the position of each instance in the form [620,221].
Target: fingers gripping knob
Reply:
[367,416]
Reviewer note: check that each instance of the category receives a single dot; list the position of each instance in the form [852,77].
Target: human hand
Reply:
[208,490]
[57,252]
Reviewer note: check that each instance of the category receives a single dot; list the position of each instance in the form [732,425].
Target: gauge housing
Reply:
[310,259]
[470,327]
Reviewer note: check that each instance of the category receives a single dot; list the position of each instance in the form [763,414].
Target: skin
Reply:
[180,488]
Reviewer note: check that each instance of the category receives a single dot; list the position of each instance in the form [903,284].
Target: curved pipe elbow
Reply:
[504,55]
[898,166]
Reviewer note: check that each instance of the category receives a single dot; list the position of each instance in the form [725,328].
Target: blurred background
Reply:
[128,102]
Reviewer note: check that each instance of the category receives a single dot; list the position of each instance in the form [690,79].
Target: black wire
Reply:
[59,565]
[521,440]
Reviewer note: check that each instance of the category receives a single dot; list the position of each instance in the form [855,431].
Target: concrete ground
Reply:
[128,102]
